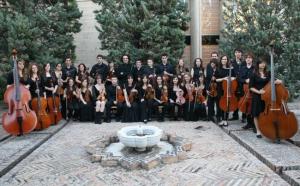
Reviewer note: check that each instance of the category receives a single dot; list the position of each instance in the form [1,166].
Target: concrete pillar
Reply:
[196,36]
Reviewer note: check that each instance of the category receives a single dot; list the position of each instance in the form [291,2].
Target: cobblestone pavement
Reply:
[215,159]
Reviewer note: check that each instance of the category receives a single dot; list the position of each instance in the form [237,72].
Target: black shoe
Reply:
[108,121]
[145,121]
[254,130]
[246,127]
[258,136]
[117,120]
[243,120]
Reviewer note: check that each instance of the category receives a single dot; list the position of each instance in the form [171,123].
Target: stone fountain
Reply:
[139,146]
[140,137]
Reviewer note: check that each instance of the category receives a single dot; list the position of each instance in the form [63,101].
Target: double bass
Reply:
[39,105]
[246,101]
[228,101]
[276,122]
[19,119]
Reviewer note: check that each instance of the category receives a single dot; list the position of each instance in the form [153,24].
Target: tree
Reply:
[142,28]
[42,31]
[255,25]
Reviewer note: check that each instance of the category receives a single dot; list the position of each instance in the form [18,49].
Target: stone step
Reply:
[14,149]
[292,176]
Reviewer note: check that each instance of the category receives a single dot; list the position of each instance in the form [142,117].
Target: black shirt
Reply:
[100,69]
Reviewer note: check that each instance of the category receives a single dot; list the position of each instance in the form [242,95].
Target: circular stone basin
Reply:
[140,137]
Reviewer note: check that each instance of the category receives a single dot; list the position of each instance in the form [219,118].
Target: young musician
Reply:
[81,74]
[72,96]
[177,99]
[197,70]
[238,64]
[21,73]
[181,70]
[260,78]
[49,81]
[161,103]
[211,85]
[86,104]
[124,69]
[165,69]
[200,100]
[150,71]
[189,92]
[146,95]
[130,107]
[222,74]
[100,68]
[138,71]
[245,75]
[68,71]
[34,80]
[99,98]
[115,97]
[111,73]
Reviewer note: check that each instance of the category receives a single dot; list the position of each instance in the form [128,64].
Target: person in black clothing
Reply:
[150,71]
[245,75]
[161,104]
[124,69]
[176,99]
[72,96]
[100,68]
[210,83]
[21,73]
[213,55]
[222,74]
[68,71]
[138,71]
[189,94]
[49,81]
[181,70]
[238,64]
[99,98]
[199,109]
[197,70]
[81,74]
[130,106]
[113,91]
[165,69]
[86,104]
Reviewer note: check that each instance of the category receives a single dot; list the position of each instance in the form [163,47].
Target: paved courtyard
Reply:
[215,159]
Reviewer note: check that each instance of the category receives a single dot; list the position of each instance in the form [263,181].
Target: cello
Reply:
[19,119]
[39,105]
[54,105]
[276,122]
[228,101]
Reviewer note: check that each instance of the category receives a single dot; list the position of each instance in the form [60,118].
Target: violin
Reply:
[246,101]
[228,101]
[213,87]
[164,95]
[190,90]
[19,119]
[199,97]
[276,122]
[60,89]
[39,105]
[119,95]
[180,100]
[149,93]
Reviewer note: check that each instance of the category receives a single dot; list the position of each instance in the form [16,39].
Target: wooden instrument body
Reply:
[229,102]
[39,105]
[246,101]
[54,112]
[18,110]
[277,122]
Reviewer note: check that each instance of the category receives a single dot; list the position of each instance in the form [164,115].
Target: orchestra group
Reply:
[145,90]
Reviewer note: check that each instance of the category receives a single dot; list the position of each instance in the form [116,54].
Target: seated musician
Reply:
[161,103]
[99,98]
[72,96]
[189,93]
[146,95]
[131,103]
[115,97]
[86,105]
[200,100]
[176,99]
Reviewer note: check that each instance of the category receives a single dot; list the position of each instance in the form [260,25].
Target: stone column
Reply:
[196,36]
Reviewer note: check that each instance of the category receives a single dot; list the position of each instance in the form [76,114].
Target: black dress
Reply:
[86,111]
[258,83]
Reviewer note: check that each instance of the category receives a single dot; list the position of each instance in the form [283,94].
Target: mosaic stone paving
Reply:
[215,159]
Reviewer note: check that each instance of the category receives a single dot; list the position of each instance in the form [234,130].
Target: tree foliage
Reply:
[142,28]
[255,25]
[41,31]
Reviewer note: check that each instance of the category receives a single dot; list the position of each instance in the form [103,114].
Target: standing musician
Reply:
[124,69]
[50,86]
[68,71]
[181,70]
[22,74]
[189,94]
[161,103]
[81,74]
[146,95]
[245,75]
[138,71]
[100,68]
[111,73]
[72,95]
[99,98]
[165,69]
[197,70]
[115,97]
[33,77]
[211,84]
[150,71]
[260,78]
[131,104]
[86,104]
[60,88]
[177,99]
[238,64]
[199,109]
[221,75]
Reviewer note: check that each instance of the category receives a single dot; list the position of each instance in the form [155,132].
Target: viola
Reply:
[276,122]
[39,105]
[149,93]
[199,97]
[246,101]
[119,95]
[228,101]
[180,100]
[19,119]
[164,95]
